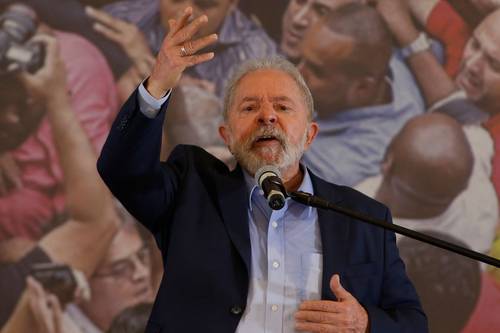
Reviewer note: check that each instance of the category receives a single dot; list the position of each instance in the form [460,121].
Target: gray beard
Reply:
[283,157]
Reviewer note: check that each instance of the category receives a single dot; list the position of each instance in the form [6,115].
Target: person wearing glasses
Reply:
[122,280]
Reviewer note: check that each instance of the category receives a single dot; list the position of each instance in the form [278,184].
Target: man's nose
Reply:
[474,62]
[267,115]
[301,17]
[141,270]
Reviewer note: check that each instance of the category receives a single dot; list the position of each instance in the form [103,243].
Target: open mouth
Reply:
[292,37]
[266,139]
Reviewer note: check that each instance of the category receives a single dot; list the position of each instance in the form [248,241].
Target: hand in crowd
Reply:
[344,315]
[128,36]
[10,174]
[47,311]
[49,81]
[179,51]
[397,14]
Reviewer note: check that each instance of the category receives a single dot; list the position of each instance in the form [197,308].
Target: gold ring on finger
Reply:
[184,52]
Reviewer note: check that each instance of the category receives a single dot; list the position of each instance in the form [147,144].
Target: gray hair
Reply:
[272,63]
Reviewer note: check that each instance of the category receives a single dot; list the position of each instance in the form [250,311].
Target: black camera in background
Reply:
[69,15]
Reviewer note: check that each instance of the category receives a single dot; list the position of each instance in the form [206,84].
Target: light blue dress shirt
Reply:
[286,252]
[287,261]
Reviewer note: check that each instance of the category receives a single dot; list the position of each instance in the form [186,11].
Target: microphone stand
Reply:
[314,201]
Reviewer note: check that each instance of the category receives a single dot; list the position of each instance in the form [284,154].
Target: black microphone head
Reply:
[276,201]
[268,179]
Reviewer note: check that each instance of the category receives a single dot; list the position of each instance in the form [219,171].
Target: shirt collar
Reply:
[305,186]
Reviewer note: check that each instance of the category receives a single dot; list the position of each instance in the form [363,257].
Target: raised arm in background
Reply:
[82,240]
[433,80]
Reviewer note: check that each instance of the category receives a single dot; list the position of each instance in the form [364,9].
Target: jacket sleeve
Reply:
[130,166]
[399,309]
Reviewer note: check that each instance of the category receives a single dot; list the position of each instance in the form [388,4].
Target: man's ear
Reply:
[224,133]
[386,165]
[312,131]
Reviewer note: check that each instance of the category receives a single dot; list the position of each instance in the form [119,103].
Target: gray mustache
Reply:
[269,131]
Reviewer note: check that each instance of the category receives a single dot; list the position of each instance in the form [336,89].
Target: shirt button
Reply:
[236,310]
[274,308]
[274,224]
[276,264]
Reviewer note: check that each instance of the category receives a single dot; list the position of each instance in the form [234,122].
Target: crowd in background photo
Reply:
[406,96]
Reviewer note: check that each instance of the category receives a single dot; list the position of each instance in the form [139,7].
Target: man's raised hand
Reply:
[179,51]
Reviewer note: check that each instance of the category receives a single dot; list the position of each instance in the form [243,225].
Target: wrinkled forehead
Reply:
[488,34]
[269,84]
[126,242]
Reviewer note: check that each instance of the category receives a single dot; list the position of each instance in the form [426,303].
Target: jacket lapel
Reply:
[233,198]
[334,229]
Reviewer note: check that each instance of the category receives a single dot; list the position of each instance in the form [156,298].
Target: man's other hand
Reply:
[344,315]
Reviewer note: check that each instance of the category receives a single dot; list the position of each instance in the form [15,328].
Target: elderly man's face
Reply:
[479,74]
[216,10]
[298,17]
[267,122]
[123,279]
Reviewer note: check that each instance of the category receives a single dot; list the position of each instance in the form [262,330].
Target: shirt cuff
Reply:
[149,105]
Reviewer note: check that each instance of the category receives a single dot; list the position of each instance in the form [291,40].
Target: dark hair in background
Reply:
[131,320]
[448,284]
[371,35]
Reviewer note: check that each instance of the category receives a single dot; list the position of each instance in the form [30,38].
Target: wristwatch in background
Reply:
[421,43]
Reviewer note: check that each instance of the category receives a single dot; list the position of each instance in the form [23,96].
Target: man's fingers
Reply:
[181,22]
[337,288]
[105,18]
[194,46]
[324,306]
[57,317]
[109,33]
[313,327]
[51,53]
[316,316]
[188,31]
[198,58]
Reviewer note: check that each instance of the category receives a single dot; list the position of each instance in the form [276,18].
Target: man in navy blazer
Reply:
[199,212]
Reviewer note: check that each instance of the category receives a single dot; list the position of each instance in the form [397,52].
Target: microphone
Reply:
[268,178]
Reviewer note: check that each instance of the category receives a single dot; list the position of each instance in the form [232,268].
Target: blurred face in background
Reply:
[216,10]
[479,74]
[486,6]
[20,115]
[298,17]
[123,278]
[323,67]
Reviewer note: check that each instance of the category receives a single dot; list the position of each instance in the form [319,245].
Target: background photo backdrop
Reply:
[419,132]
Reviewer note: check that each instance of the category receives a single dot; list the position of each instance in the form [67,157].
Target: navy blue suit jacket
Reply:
[196,209]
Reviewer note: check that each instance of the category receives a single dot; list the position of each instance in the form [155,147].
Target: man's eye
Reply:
[282,107]
[321,10]
[120,268]
[248,108]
